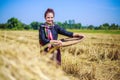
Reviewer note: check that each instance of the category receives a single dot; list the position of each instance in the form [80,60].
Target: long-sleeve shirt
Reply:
[55,30]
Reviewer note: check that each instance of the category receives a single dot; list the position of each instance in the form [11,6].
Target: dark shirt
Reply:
[55,31]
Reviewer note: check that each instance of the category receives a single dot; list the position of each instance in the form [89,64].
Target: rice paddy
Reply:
[96,57]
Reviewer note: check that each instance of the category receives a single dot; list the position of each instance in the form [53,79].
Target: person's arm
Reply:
[67,33]
[63,31]
[42,36]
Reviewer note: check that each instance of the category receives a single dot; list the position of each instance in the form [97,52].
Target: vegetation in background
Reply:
[15,24]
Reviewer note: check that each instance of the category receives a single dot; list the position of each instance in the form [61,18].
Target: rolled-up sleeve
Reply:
[42,36]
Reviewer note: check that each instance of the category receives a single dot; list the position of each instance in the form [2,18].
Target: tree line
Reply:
[14,24]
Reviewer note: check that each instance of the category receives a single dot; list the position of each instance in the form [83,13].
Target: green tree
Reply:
[14,23]
[3,26]
[71,23]
[65,25]
[114,27]
[106,26]
[26,27]
[35,25]
[77,26]
[91,27]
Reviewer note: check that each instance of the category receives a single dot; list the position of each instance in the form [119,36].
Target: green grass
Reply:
[96,31]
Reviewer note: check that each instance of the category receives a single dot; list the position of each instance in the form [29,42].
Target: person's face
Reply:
[49,18]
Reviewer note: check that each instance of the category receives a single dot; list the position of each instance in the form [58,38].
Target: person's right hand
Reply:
[56,42]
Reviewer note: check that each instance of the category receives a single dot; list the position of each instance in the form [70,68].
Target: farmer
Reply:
[48,33]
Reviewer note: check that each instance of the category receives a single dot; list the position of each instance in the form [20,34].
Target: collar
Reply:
[48,25]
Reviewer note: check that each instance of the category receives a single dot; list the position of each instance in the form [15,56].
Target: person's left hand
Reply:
[78,35]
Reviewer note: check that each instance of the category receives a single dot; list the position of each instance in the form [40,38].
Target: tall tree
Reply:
[91,27]
[14,23]
[77,26]
[106,26]
[35,25]
[26,27]
[65,25]
[3,26]
[114,26]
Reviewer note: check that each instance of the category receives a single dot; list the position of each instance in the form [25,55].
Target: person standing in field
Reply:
[48,33]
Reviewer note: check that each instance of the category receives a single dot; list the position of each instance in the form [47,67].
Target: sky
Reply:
[86,12]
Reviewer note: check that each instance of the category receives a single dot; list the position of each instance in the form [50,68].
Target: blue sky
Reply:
[87,12]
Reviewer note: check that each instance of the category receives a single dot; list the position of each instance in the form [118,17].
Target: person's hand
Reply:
[78,35]
[59,42]
[56,42]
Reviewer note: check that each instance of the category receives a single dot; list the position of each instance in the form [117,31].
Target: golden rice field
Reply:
[96,57]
